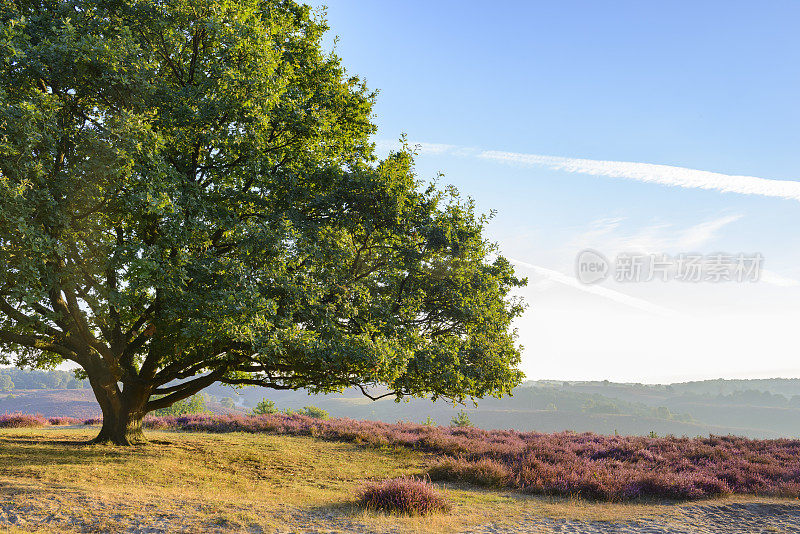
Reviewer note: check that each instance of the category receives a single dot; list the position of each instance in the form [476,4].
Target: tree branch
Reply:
[25,320]
[188,389]
[33,342]
[364,392]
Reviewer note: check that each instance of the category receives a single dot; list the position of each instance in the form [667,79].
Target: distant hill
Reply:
[765,408]
[14,378]
[78,403]
[51,402]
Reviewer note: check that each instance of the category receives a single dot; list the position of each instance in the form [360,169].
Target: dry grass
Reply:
[241,482]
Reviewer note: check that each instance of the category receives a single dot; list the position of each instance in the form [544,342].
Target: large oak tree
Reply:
[188,195]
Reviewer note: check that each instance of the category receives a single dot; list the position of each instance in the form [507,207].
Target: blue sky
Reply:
[706,86]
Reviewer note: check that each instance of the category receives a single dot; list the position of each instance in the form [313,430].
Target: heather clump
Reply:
[19,420]
[483,472]
[64,421]
[404,495]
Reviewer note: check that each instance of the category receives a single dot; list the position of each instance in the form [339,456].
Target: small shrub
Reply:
[94,421]
[64,421]
[6,384]
[429,422]
[315,412]
[404,495]
[461,420]
[265,407]
[194,404]
[227,402]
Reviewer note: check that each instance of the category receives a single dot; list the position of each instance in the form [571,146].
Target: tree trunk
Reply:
[121,428]
[123,412]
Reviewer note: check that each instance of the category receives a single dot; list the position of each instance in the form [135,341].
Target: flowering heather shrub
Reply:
[19,420]
[405,495]
[588,465]
[483,472]
[93,421]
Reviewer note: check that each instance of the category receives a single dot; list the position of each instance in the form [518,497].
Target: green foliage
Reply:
[188,189]
[600,405]
[461,420]
[6,384]
[227,402]
[265,407]
[429,422]
[35,379]
[315,412]
[194,404]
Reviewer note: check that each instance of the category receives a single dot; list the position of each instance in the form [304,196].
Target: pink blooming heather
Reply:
[20,420]
[405,495]
[567,463]
[64,421]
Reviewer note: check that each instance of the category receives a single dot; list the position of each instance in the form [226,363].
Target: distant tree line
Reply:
[13,378]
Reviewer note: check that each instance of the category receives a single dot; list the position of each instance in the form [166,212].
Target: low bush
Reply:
[461,420]
[64,421]
[19,420]
[265,407]
[315,412]
[194,404]
[405,495]
[483,472]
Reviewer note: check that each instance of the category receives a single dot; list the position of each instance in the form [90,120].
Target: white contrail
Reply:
[629,170]
[657,174]
[616,296]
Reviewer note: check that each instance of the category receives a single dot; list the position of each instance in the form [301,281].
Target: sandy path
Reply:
[699,518]
[734,518]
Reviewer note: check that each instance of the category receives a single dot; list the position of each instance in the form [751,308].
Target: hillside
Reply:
[758,408]
[79,403]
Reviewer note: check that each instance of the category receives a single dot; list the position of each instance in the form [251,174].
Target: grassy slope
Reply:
[240,482]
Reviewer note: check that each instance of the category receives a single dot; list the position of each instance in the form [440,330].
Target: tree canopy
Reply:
[189,195]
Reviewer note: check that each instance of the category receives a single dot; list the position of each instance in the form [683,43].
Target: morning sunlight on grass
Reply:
[375,267]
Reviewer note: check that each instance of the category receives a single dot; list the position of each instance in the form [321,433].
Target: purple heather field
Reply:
[567,463]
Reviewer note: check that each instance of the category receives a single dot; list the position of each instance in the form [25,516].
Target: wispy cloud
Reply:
[606,235]
[610,294]
[657,174]
[641,172]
